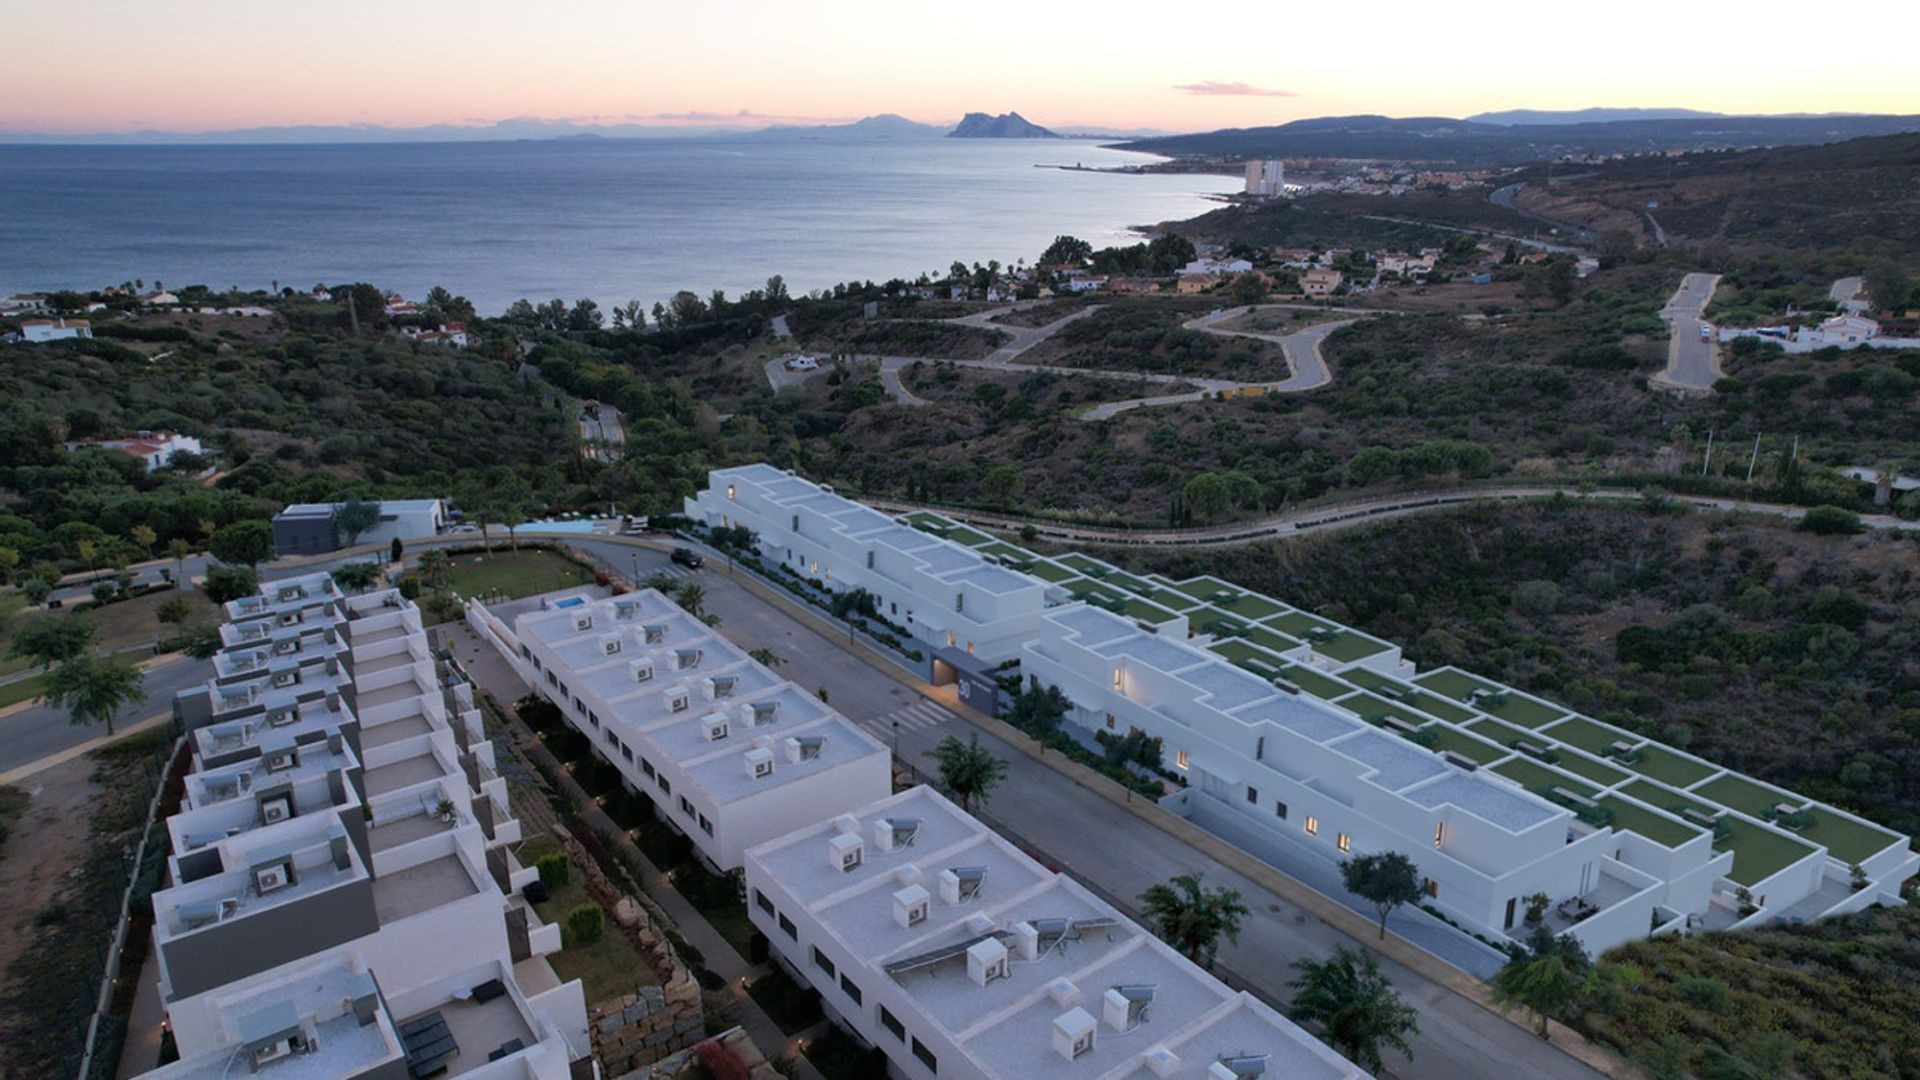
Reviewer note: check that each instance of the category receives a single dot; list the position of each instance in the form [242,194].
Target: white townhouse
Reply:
[344,821]
[729,753]
[945,594]
[934,939]
[41,330]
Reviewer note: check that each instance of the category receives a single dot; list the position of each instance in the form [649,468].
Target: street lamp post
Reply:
[635,556]
[896,738]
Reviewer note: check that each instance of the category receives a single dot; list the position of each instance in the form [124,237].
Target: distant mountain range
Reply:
[1005,126]
[1520,136]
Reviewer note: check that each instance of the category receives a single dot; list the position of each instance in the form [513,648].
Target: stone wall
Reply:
[732,1043]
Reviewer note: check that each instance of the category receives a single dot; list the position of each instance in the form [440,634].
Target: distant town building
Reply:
[40,330]
[452,333]
[313,528]
[23,304]
[1266,179]
[155,449]
[158,298]
[1321,282]
[1133,286]
[1217,267]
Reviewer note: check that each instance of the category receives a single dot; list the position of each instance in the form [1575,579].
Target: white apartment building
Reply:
[729,753]
[943,593]
[1299,736]
[344,827]
[35,331]
[1266,179]
[934,939]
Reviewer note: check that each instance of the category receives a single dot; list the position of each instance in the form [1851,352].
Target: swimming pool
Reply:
[571,601]
[581,525]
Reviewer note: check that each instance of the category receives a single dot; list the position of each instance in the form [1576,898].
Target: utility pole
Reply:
[353,314]
[1754,460]
[1708,456]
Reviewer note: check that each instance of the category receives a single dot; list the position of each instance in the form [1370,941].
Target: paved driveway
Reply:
[1693,364]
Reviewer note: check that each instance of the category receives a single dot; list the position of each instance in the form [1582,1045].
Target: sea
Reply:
[611,220]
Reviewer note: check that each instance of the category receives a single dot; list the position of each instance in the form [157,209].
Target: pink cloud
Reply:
[1213,88]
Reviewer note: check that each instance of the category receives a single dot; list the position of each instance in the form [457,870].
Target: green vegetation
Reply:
[1193,918]
[1356,1008]
[1385,879]
[512,574]
[968,772]
[792,1007]
[606,963]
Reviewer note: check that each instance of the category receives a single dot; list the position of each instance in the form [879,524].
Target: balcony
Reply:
[422,887]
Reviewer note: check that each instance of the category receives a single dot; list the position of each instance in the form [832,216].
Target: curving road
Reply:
[1693,360]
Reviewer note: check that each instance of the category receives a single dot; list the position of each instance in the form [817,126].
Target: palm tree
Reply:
[358,576]
[766,658]
[93,689]
[513,517]
[434,564]
[690,596]
[1193,918]
[1545,979]
[179,549]
[1355,1006]
[967,771]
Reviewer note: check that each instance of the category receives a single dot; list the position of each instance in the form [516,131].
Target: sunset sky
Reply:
[120,65]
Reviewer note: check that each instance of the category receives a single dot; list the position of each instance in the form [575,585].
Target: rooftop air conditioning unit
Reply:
[274,811]
[714,726]
[1238,1067]
[892,833]
[583,621]
[805,747]
[286,678]
[1073,1033]
[655,634]
[687,658]
[270,878]
[1063,993]
[987,962]
[721,686]
[910,906]
[282,760]
[845,851]
[1160,1061]
[759,713]
[281,717]
[759,763]
[1026,941]
[610,644]
[642,670]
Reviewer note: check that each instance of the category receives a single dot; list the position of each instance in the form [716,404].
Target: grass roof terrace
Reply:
[1669,766]
[1665,798]
[1633,818]
[1250,606]
[1000,549]
[1454,683]
[1604,775]
[973,538]
[1084,564]
[1587,735]
[1405,694]
[1324,687]
[1504,734]
[1049,571]
[1258,661]
[1270,640]
[1373,708]
[1759,853]
[1739,793]
[1349,646]
[1298,623]
[1459,742]
[1537,777]
[1845,837]
[1204,589]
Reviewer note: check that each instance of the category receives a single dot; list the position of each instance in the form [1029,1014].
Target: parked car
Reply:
[688,557]
[802,363]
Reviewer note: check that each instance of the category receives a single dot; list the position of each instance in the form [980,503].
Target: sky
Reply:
[211,65]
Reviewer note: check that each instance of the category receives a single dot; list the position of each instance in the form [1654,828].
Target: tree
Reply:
[1385,879]
[1356,1007]
[226,583]
[1887,283]
[1067,251]
[174,610]
[691,597]
[92,689]
[144,536]
[434,564]
[46,641]
[396,550]
[202,642]
[766,657]
[1193,918]
[585,317]
[1002,484]
[356,516]
[968,772]
[1039,713]
[1207,495]
[178,549]
[1545,978]
[776,289]
[1165,254]
[358,576]
[243,543]
[1830,521]
[1250,288]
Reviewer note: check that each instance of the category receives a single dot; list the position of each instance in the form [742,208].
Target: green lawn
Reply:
[1536,777]
[1052,571]
[1504,734]
[1739,793]
[1587,735]
[1251,606]
[1669,767]
[513,574]
[1351,646]
[1082,563]
[1524,711]
[119,627]
[1297,623]
[1457,685]
[973,538]
[1604,775]
[20,690]
[1631,818]
[1203,588]
[1001,550]
[1845,838]
[1665,798]
[1269,639]
[1314,683]
[1371,707]
[1466,745]
[1759,853]
[606,968]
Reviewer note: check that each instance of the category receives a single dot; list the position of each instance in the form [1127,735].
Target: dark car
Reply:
[687,557]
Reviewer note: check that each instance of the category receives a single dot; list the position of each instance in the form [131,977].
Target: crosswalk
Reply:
[922,715]
[670,570]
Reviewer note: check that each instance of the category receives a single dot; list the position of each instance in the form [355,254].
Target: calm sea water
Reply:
[611,220]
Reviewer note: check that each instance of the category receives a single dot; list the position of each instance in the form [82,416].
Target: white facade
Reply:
[1266,179]
[1326,739]
[344,820]
[941,592]
[934,939]
[39,330]
[729,753]
[155,449]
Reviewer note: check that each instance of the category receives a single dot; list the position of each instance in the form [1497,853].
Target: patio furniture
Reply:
[488,990]
[511,1046]
[428,1043]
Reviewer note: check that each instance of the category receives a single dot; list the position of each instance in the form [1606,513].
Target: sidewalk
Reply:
[492,675]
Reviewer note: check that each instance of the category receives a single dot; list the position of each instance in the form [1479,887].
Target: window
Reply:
[612,740]
[796,523]
[926,1057]
[592,718]
[1180,759]
[1439,832]
[847,987]
[686,807]
[760,901]
[787,928]
[959,601]
[1280,810]
[820,961]
[869,560]
[626,751]
[892,1024]
[1432,888]
[1313,825]
[1260,748]
[1111,722]
[705,825]
[526,653]
[1253,795]
[665,785]
[1345,842]
[552,679]
[579,706]
[729,491]
[647,767]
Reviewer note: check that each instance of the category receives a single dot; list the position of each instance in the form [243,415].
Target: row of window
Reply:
[825,965]
[660,778]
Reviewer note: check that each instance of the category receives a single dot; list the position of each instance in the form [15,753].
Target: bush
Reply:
[555,870]
[1831,521]
[1534,598]
[584,925]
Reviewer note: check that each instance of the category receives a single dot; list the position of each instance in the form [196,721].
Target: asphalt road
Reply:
[38,731]
[1693,365]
